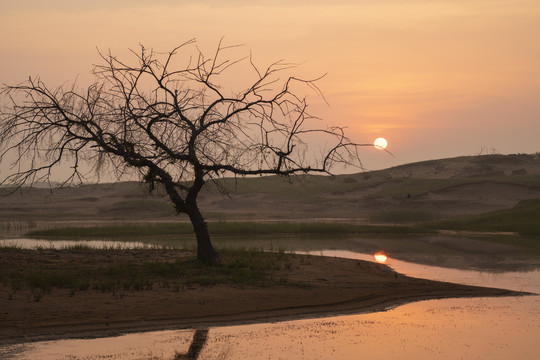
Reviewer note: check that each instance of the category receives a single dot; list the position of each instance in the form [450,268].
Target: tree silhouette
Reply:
[168,118]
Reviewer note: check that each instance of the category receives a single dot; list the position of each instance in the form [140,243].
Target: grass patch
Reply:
[116,271]
[225,228]
[522,219]
[398,216]
[141,205]
[528,243]
[301,188]
[402,188]
[254,228]
[114,231]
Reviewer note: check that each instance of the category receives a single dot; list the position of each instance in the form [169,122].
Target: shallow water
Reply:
[527,281]
[479,328]
[442,329]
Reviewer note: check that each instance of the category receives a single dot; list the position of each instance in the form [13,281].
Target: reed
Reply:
[225,228]
[521,219]
[129,273]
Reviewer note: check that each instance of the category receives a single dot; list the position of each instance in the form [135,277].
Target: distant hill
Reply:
[408,193]
[468,166]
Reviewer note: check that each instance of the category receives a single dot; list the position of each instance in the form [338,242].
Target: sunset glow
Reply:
[427,75]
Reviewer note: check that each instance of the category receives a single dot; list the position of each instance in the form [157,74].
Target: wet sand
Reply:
[331,286]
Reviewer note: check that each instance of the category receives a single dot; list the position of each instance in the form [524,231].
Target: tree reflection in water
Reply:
[199,339]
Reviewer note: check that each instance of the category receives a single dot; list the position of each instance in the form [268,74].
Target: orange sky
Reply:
[436,78]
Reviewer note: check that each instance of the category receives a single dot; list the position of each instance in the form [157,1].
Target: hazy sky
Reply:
[436,78]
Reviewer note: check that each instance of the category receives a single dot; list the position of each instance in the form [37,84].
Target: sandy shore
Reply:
[333,286]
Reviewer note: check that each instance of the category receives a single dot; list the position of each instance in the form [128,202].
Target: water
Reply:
[479,328]
[442,329]
[528,281]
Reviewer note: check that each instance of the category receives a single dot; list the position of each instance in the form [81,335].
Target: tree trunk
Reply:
[205,250]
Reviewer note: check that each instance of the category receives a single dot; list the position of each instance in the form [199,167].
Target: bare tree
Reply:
[174,126]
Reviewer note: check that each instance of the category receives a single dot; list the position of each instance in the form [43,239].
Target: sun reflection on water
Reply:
[381,257]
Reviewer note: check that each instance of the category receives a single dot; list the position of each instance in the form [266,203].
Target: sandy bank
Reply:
[330,286]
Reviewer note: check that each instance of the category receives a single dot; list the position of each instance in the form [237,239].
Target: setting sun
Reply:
[380,143]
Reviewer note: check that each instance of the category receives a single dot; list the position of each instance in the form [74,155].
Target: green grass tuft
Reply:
[522,219]
[224,228]
[399,216]
[237,267]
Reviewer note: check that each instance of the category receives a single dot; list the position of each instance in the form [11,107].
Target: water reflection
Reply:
[380,257]
[479,328]
[527,281]
[443,329]
[156,345]
[199,339]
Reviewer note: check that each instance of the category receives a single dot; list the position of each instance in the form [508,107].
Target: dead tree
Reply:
[170,122]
